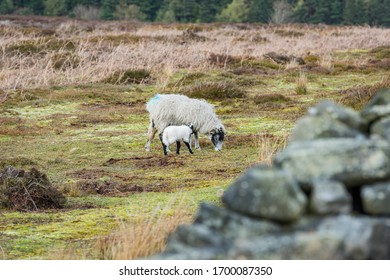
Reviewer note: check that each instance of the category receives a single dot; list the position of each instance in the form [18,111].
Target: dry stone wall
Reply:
[326,196]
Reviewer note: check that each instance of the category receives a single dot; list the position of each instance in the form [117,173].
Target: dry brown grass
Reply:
[269,145]
[301,87]
[138,239]
[79,52]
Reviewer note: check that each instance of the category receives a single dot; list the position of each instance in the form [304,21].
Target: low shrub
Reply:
[28,190]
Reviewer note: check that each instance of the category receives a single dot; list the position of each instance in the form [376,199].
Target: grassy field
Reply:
[72,104]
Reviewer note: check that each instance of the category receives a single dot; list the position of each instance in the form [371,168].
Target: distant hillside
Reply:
[333,12]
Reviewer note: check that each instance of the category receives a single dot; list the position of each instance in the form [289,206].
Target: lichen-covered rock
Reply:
[381,128]
[329,197]
[292,245]
[376,198]
[320,127]
[231,224]
[339,113]
[338,237]
[353,162]
[378,107]
[268,193]
[362,237]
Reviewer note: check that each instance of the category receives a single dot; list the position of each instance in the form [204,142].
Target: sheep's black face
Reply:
[217,139]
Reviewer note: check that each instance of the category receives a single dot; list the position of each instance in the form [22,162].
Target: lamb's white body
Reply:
[176,109]
[173,134]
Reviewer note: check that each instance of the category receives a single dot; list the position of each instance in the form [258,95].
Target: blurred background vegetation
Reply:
[334,12]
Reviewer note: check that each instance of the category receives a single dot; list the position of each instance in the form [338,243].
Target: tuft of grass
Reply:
[301,87]
[214,90]
[269,145]
[130,76]
[144,237]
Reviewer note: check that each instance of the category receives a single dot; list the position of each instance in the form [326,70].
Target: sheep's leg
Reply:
[189,147]
[151,133]
[163,145]
[178,147]
[196,136]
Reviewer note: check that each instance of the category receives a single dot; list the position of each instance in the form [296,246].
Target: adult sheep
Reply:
[177,109]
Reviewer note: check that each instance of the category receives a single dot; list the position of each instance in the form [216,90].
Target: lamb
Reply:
[176,134]
[176,109]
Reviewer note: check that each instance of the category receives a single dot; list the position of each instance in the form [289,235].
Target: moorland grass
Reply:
[88,136]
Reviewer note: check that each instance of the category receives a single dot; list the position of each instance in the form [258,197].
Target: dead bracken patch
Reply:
[110,187]
[28,190]
[145,162]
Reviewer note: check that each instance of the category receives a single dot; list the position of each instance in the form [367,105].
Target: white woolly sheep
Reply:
[176,109]
[174,133]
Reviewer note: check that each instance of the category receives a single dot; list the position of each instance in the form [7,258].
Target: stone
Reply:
[339,113]
[231,224]
[268,193]
[353,162]
[376,198]
[381,128]
[378,107]
[289,246]
[329,197]
[363,237]
[320,127]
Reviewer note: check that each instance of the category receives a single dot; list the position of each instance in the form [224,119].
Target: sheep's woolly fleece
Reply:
[176,109]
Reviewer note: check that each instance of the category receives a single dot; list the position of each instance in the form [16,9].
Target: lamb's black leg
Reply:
[162,143]
[189,147]
[178,147]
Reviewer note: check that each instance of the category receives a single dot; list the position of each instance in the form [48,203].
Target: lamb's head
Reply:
[191,126]
[216,136]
